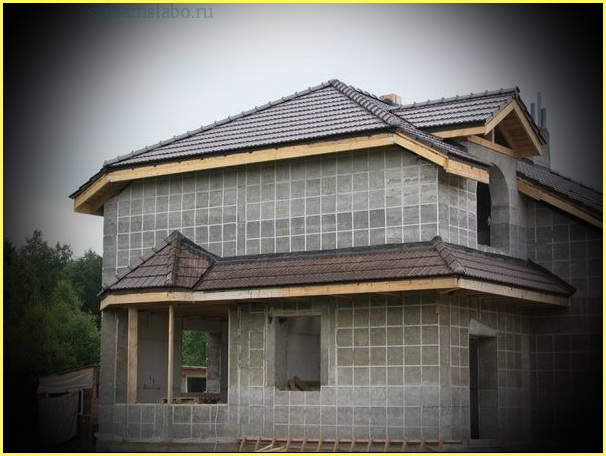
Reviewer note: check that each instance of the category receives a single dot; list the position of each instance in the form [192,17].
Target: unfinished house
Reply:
[367,272]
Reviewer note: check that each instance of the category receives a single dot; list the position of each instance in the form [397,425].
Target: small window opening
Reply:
[196,384]
[484,206]
[194,361]
[298,353]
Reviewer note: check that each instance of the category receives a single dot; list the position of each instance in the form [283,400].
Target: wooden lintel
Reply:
[491,145]
[132,355]
[542,195]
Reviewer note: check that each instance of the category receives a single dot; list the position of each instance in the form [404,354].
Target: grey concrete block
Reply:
[361,238]
[377,218]
[378,376]
[329,241]
[395,356]
[312,206]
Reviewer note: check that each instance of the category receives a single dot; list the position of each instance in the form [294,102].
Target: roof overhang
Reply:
[91,198]
[145,299]
[512,122]
[541,194]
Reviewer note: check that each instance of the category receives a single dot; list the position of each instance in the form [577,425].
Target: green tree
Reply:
[84,274]
[193,348]
[46,330]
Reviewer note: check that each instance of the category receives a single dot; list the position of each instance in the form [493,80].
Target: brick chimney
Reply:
[391,98]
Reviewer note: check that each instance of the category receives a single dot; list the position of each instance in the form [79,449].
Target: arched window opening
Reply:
[484,210]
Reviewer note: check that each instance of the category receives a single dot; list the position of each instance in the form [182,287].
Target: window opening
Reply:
[298,353]
[484,208]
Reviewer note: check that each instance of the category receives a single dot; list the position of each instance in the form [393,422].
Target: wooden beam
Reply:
[448,164]
[171,343]
[513,292]
[94,196]
[347,289]
[461,132]
[491,145]
[500,115]
[540,194]
[142,298]
[470,172]
[514,106]
[132,343]
[82,203]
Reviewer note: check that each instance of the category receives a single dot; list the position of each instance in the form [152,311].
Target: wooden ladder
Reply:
[310,445]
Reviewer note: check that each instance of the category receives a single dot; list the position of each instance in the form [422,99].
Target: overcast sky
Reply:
[79,91]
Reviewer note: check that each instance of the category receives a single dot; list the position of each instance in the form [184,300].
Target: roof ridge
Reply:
[216,123]
[469,96]
[448,256]
[389,118]
[358,98]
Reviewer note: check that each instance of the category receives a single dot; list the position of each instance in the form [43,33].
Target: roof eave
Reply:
[540,193]
[450,283]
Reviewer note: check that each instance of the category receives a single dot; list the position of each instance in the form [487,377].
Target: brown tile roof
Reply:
[385,262]
[564,187]
[331,109]
[474,108]
[178,263]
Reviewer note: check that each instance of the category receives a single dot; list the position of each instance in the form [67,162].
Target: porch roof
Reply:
[181,264]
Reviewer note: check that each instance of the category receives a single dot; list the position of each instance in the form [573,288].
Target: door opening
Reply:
[483,384]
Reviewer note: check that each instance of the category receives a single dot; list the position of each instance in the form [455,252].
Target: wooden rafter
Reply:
[511,112]
[540,194]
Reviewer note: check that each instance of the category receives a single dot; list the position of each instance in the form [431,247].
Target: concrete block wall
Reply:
[397,369]
[566,345]
[367,197]
[457,209]
[392,367]
[178,423]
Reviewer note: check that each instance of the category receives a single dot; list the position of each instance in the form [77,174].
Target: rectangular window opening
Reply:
[194,360]
[298,353]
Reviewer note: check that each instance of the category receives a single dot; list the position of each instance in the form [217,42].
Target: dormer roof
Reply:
[479,117]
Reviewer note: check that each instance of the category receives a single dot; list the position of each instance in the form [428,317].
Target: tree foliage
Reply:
[50,316]
[193,348]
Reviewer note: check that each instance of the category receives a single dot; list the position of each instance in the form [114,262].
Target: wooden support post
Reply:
[132,346]
[171,343]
